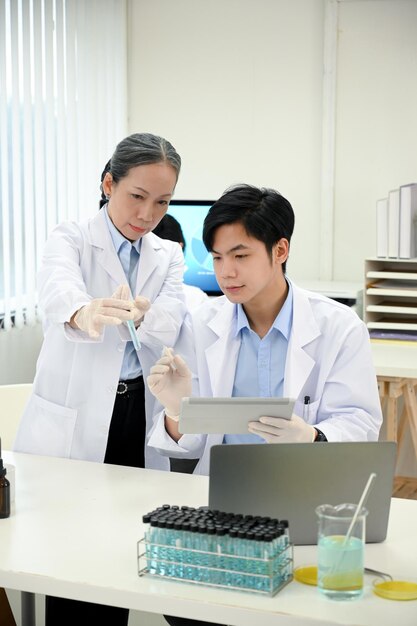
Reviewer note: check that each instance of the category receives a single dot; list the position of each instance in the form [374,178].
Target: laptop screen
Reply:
[288,481]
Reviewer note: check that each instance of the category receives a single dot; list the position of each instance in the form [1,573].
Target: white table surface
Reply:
[332,288]
[73,532]
[395,359]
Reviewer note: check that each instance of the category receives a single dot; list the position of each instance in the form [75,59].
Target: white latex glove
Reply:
[101,312]
[281,430]
[142,305]
[170,381]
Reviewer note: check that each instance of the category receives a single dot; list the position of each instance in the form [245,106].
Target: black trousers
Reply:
[126,440]
[125,446]
[182,621]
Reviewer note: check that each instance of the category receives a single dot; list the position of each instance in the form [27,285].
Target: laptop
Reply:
[288,481]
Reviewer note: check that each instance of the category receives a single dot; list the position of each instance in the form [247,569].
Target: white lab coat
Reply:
[194,297]
[329,359]
[70,409]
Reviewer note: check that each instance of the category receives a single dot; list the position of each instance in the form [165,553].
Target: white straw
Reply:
[361,503]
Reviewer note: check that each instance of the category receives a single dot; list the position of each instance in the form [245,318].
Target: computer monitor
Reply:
[198,261]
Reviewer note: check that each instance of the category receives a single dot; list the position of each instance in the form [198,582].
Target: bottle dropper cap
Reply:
[3,470]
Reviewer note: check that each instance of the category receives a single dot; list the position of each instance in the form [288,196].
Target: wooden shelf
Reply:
[396,293]
[393,307]
[389,325]
[390,294]
[394,275]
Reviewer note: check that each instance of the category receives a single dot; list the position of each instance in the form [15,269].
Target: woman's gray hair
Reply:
[139,149]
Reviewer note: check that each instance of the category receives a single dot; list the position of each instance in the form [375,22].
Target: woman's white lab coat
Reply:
[329,359]
[70,409]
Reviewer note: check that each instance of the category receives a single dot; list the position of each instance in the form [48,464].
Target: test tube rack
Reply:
[262,575]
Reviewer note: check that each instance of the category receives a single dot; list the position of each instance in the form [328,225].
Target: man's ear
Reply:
[281,251]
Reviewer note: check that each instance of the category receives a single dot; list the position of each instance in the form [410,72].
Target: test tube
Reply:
[133,336]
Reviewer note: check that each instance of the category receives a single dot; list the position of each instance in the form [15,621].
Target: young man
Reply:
[266,337]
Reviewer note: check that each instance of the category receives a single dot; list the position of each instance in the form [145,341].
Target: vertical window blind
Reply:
[62,111]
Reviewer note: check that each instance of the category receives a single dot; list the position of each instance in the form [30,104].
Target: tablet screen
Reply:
[229,415]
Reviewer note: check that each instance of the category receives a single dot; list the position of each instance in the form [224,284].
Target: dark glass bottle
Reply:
[4,490]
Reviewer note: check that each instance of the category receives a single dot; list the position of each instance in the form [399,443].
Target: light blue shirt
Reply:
[260,364]
[131,367]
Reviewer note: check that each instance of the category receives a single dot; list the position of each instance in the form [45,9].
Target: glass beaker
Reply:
[340,558]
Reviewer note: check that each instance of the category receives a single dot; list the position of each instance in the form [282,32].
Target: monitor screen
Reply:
[198,262]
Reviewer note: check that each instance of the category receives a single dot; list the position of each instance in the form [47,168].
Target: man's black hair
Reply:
[264,213]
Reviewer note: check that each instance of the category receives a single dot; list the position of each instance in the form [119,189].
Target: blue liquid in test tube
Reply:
[133,336]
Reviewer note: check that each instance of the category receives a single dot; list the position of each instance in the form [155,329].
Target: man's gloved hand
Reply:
[281,430]
[170,381]
[101,312]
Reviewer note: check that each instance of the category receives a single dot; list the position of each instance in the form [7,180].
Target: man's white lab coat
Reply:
[329,359]
[70,409]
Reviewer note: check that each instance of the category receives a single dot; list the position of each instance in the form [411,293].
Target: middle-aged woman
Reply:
[89,400]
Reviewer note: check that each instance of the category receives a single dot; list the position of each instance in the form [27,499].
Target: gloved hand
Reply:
[170,381]
[281,430]
[142,305]
[101,312]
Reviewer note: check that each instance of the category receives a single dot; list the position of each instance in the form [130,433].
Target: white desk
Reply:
[73,533]
[395,359]
[332,288]
[396,369]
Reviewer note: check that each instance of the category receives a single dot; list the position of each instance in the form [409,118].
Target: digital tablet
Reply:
[229,415]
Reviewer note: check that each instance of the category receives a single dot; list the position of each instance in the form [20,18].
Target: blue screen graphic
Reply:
[199,264]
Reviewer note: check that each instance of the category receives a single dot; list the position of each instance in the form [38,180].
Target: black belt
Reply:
[125,386]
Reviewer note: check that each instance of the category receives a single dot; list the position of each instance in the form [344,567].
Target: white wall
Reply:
[236,85]
[376,136]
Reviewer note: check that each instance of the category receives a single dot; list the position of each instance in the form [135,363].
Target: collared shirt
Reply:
[131,367]
[266,356]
